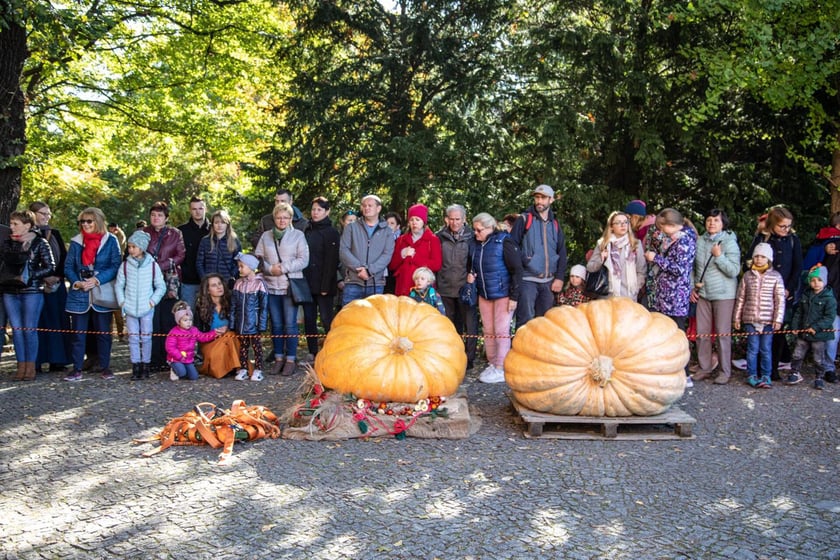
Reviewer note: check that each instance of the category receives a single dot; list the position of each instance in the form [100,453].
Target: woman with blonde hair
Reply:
[284,253]
[496,268]
[92,260]
[217,251]
[622,254]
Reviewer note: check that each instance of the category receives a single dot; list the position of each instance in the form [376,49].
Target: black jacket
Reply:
[24,270]
[193,235]
[323,240]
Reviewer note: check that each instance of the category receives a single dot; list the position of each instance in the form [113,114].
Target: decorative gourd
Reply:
[608,357]
[392,349]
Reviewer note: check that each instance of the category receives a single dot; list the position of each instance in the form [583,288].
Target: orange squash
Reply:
[392,349]
[608,357]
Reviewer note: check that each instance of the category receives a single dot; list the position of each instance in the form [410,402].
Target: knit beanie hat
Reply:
[181,312]
[764,249]
[635,208]
[578,270]
[419,211]
[141,239]
[820,272]
[251,261]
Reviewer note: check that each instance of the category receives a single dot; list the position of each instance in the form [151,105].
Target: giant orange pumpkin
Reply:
[392,349]
[608,357]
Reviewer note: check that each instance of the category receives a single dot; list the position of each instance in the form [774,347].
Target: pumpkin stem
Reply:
[402,345]
[601,370]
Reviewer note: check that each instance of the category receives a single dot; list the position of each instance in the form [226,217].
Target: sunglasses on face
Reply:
[85,221]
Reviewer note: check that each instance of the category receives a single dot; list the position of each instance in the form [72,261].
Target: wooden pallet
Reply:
[672,424]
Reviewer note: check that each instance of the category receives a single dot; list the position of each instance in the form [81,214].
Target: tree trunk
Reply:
[834,180]
[13,54]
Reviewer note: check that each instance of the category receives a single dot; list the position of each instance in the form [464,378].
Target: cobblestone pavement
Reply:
[760,480]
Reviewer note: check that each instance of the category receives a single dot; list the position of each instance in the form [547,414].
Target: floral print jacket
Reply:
[670,275]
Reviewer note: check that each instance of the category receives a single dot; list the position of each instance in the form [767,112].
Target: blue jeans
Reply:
[188,293]
[831,345]
[140,337]
[358,291]
[24,311]
[759,347]
[185,370]
[283,313]
[535,298]
[99,322]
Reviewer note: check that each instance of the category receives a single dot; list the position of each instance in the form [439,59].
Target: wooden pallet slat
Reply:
[671,424]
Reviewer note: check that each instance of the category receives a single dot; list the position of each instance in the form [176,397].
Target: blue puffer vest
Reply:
[488,263]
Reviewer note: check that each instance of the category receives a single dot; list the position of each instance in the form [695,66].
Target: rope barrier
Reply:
[465,336]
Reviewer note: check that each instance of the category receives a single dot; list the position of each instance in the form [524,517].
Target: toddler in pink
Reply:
[180,343]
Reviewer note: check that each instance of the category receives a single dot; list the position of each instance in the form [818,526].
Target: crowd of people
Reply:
[193,302]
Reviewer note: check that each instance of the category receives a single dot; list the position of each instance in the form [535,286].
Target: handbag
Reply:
[468,294]
[298,287]
[105,295]
[299,290]
[598,283]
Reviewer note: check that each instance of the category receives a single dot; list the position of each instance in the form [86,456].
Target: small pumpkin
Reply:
[608,357]
[391,349]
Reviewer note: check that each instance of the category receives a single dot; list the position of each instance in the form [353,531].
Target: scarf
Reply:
[761,269]
[90,245]
[621,263]
[279,233]
[25,240]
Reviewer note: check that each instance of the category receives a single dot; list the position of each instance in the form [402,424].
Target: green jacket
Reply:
[815,311]
[721,279]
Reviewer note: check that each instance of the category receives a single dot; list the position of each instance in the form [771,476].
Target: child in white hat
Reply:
[140,286]
[760,308]
[573,293]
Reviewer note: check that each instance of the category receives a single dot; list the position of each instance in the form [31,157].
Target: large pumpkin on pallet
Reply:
[392,349]
[608,357]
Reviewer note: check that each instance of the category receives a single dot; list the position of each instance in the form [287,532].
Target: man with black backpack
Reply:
[543,248]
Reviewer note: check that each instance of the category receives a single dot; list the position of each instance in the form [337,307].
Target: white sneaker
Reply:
[784,365]
[689,383]
[740,364]
[489,370]
[257,375]
[173,376]
[496,376]
[242,375]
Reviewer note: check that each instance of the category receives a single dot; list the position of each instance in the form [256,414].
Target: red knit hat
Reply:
[419,211]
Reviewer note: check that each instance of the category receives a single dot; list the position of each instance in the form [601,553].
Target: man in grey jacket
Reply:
[365,251]
[455,239]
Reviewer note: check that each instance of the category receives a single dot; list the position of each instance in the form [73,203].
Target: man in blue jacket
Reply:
[543,248]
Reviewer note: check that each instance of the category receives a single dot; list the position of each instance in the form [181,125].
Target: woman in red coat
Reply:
[415,248]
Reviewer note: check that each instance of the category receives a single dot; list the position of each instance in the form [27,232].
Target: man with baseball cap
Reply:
[542,246]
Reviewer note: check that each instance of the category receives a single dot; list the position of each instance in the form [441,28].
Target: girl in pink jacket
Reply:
[180,343]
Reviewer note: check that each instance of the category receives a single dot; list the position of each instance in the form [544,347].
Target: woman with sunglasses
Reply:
[622,254]
[787,260]
[93,259]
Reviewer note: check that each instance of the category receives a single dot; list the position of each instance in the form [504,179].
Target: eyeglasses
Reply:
[85,221]
[785,227]
[620,223]
[480,229]
[44,213]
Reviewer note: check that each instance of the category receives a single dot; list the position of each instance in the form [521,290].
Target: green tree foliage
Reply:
[376,98]
[135,102]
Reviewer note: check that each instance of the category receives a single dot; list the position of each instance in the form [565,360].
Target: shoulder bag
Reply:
[298,287]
